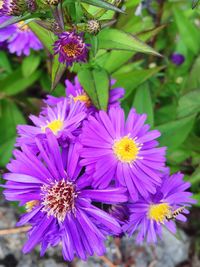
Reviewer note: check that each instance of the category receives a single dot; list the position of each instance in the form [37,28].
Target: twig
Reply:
[107,261]
[16,230]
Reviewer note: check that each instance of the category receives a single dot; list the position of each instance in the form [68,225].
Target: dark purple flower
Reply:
[71,48]
[75,92]
[19,37]
[13,7]
[59,200]
[123,151]
[177,59]
[148,215]
[63,120]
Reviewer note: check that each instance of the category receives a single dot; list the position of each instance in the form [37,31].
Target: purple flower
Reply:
[71,48]
[13,7]
[63,120]
[19,37]
[148,215]
[177,59]
[58,199]
[75,92]
[124,151]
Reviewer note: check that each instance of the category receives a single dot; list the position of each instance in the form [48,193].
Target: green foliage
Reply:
[134,50]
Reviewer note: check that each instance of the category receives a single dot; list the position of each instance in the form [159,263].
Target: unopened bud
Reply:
[93,26]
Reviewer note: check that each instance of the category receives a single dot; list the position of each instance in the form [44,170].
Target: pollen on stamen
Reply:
[59,199]
[55,126]
[159,212]
[83,98]
[126,149]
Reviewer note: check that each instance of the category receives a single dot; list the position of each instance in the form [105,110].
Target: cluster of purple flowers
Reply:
[74,158]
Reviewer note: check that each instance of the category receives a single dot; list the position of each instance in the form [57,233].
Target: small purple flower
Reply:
[177,59]
[71,48]
[148,215]
[19,37]
[125,152]
[13,7]
[75,92]
[63,120]
[59,200]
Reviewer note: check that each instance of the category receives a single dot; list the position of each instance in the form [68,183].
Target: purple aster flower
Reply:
[63,120]
[124,151]
[75,92]
[71,48]
[58,199]
[177,59]
[19,37]
[150,214]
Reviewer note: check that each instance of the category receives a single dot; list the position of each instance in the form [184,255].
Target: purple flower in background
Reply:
[124,151]
[177,59]
[19,37]
[75,92]
[148,215]
[63,120]
[71,48]
[59,199]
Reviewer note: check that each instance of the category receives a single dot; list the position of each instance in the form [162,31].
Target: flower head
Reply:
[13,7]
[75,92]
[148,215]
[177,59]
[59,200]
[63,120]
[125,152]
[19,37]
[71,48]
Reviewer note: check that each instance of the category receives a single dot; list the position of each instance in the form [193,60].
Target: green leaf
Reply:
[189,33]
[189,104]
[58,70]
[143,103]
[119,40]
[4,62]
[96,84]
[195,178]
[194,77]
[16,83]
[46,37]
[174,133]
[131,80]
[103,4]
[10,116]
[30,64]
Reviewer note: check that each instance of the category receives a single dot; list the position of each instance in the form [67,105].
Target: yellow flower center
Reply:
[31,204]
[83,98]
[1,4]
[126,149]
[55,126]
[22,26]
[159,212]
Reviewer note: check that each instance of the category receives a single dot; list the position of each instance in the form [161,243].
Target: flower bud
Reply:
[13,7]
[93,26]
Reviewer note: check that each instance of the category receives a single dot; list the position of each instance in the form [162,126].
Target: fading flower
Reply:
[19,37]
[71,48]
[59,200]
[148,215]
[125,152]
